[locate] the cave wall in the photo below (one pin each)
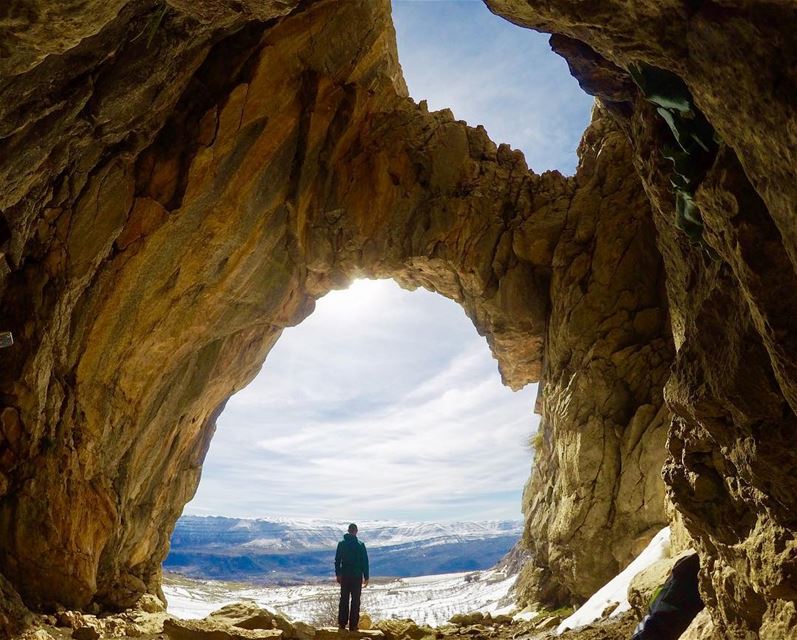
(183, 181)
(596, 481)
(731, 390)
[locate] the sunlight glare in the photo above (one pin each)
(358, 299)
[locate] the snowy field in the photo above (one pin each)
(428, 600)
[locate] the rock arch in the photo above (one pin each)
(161, 240)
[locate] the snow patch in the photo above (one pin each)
(616, 590)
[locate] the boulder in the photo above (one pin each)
(86, 633)
(365, 622)
(465, 619)
(303, 631)
(248, 615)
(701, 628)
(214, 630)
(149, 603)
(69, 619)
(403, 629)
(546, 622)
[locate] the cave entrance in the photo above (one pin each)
(384, 407)
(383, 404)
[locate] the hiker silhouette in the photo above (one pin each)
(351, 573)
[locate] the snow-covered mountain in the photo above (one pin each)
(280, 550)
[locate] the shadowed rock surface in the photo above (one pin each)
(181, 181)
(732, 386)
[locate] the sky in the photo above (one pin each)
(457, 54)
(385, 403)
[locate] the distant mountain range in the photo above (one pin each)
(278, 551)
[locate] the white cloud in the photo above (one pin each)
(395, 411)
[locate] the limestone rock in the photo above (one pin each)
(69, 619)
(465, 619)
(149, 603)
(732, 386)
(303, 631)
(546, 622)
(596, 476)
(701, 628)
(248, 615)
(213, 630)
(86, 633)
(402, 629)
(365, 622)
(14, 615)
(127, 345)
(645, 585)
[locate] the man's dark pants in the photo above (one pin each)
(350, 586)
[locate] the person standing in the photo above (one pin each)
(351, 573)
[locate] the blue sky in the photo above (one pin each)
(385, 403)
(457, 54)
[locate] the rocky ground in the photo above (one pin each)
(246, 621)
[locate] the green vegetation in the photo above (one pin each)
(536, 441)
(692, 146)
(655, 595)
(561, 612)
(154, 22)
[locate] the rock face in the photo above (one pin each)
(732, 387)
(182, 180)
(596, 481)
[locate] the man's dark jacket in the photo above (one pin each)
(351, 558)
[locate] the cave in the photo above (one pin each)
(183, 180)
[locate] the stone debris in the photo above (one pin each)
(406, 629)
(333, 633)
(248, 621)
(214, 630)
